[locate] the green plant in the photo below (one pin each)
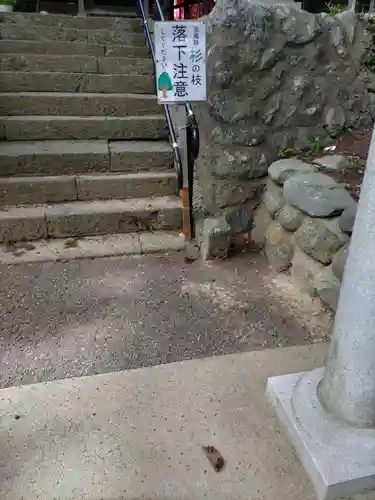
(7, 2)
(333, 8)
(369, 21)
(316, 145)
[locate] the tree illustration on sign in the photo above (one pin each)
(165, 84)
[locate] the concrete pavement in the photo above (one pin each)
(61, 320)
(138, 434)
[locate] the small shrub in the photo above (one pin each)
(369, 20)
(333, 8)
(316, 145)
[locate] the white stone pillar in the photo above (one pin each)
(316, 407)
(348, 387)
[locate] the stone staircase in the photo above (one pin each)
(84, 147)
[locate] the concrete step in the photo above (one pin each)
(77, 104)
(72, 48)
(25, 158)
(10, 31)
(75, 22)
(103, 425)
(76, 63)
(41, 128)
(138, 156)
(91, 247)
(25, 81)
(58, 189)
(81, 218)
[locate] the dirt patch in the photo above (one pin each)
(355, 143)
(309, 312)
(352, 143)
(94, 316)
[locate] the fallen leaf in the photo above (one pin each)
(214, 456)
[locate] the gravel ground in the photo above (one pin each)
(77, 318)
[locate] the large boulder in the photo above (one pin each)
(277, 78)
(304, 270)
(320, 238)
(278, 247)
(317, 195)
(281, 170)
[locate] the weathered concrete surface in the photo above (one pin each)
(92, 316)
(64, 48)
(43, 81)
(56, 189)
(89, 218)
(23, 224)
(58, 48)
(112, 216)
(338, 457)
(53, 33)
(34, 190)
(90, 247)
(123, 186)
(124, 65)
(137, 156)
(78, 104)
(53, 157)
(46, 62)
(139, 434)
(26, 158)
(41, 128)
(68, 21)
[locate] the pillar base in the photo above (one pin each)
(338, 458)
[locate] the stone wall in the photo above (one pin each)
(278, 79)
(304, 223)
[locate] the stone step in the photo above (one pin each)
(81, 218)
(77, 104)
(62, 188)
(138, 156)
(75, 22)
(76, 63)
(71, 48)
(25, 81)
(91, 247)
(41, 128)
(47, 33)
(82, 157)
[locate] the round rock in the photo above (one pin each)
(278, 247)
(347, 218)
(317, 195)
(334, 162)
(320, 238)
(282, 170)
(289, 217)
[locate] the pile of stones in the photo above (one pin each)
(304, 223)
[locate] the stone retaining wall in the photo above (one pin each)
(304, 224)
(278, 79)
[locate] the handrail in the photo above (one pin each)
(192, 122)
(194, 141)
(172, 134)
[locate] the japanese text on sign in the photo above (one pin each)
(180, 49)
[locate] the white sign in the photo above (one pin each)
(180, 49)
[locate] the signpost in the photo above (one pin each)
(180, 50)
(180, 55)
